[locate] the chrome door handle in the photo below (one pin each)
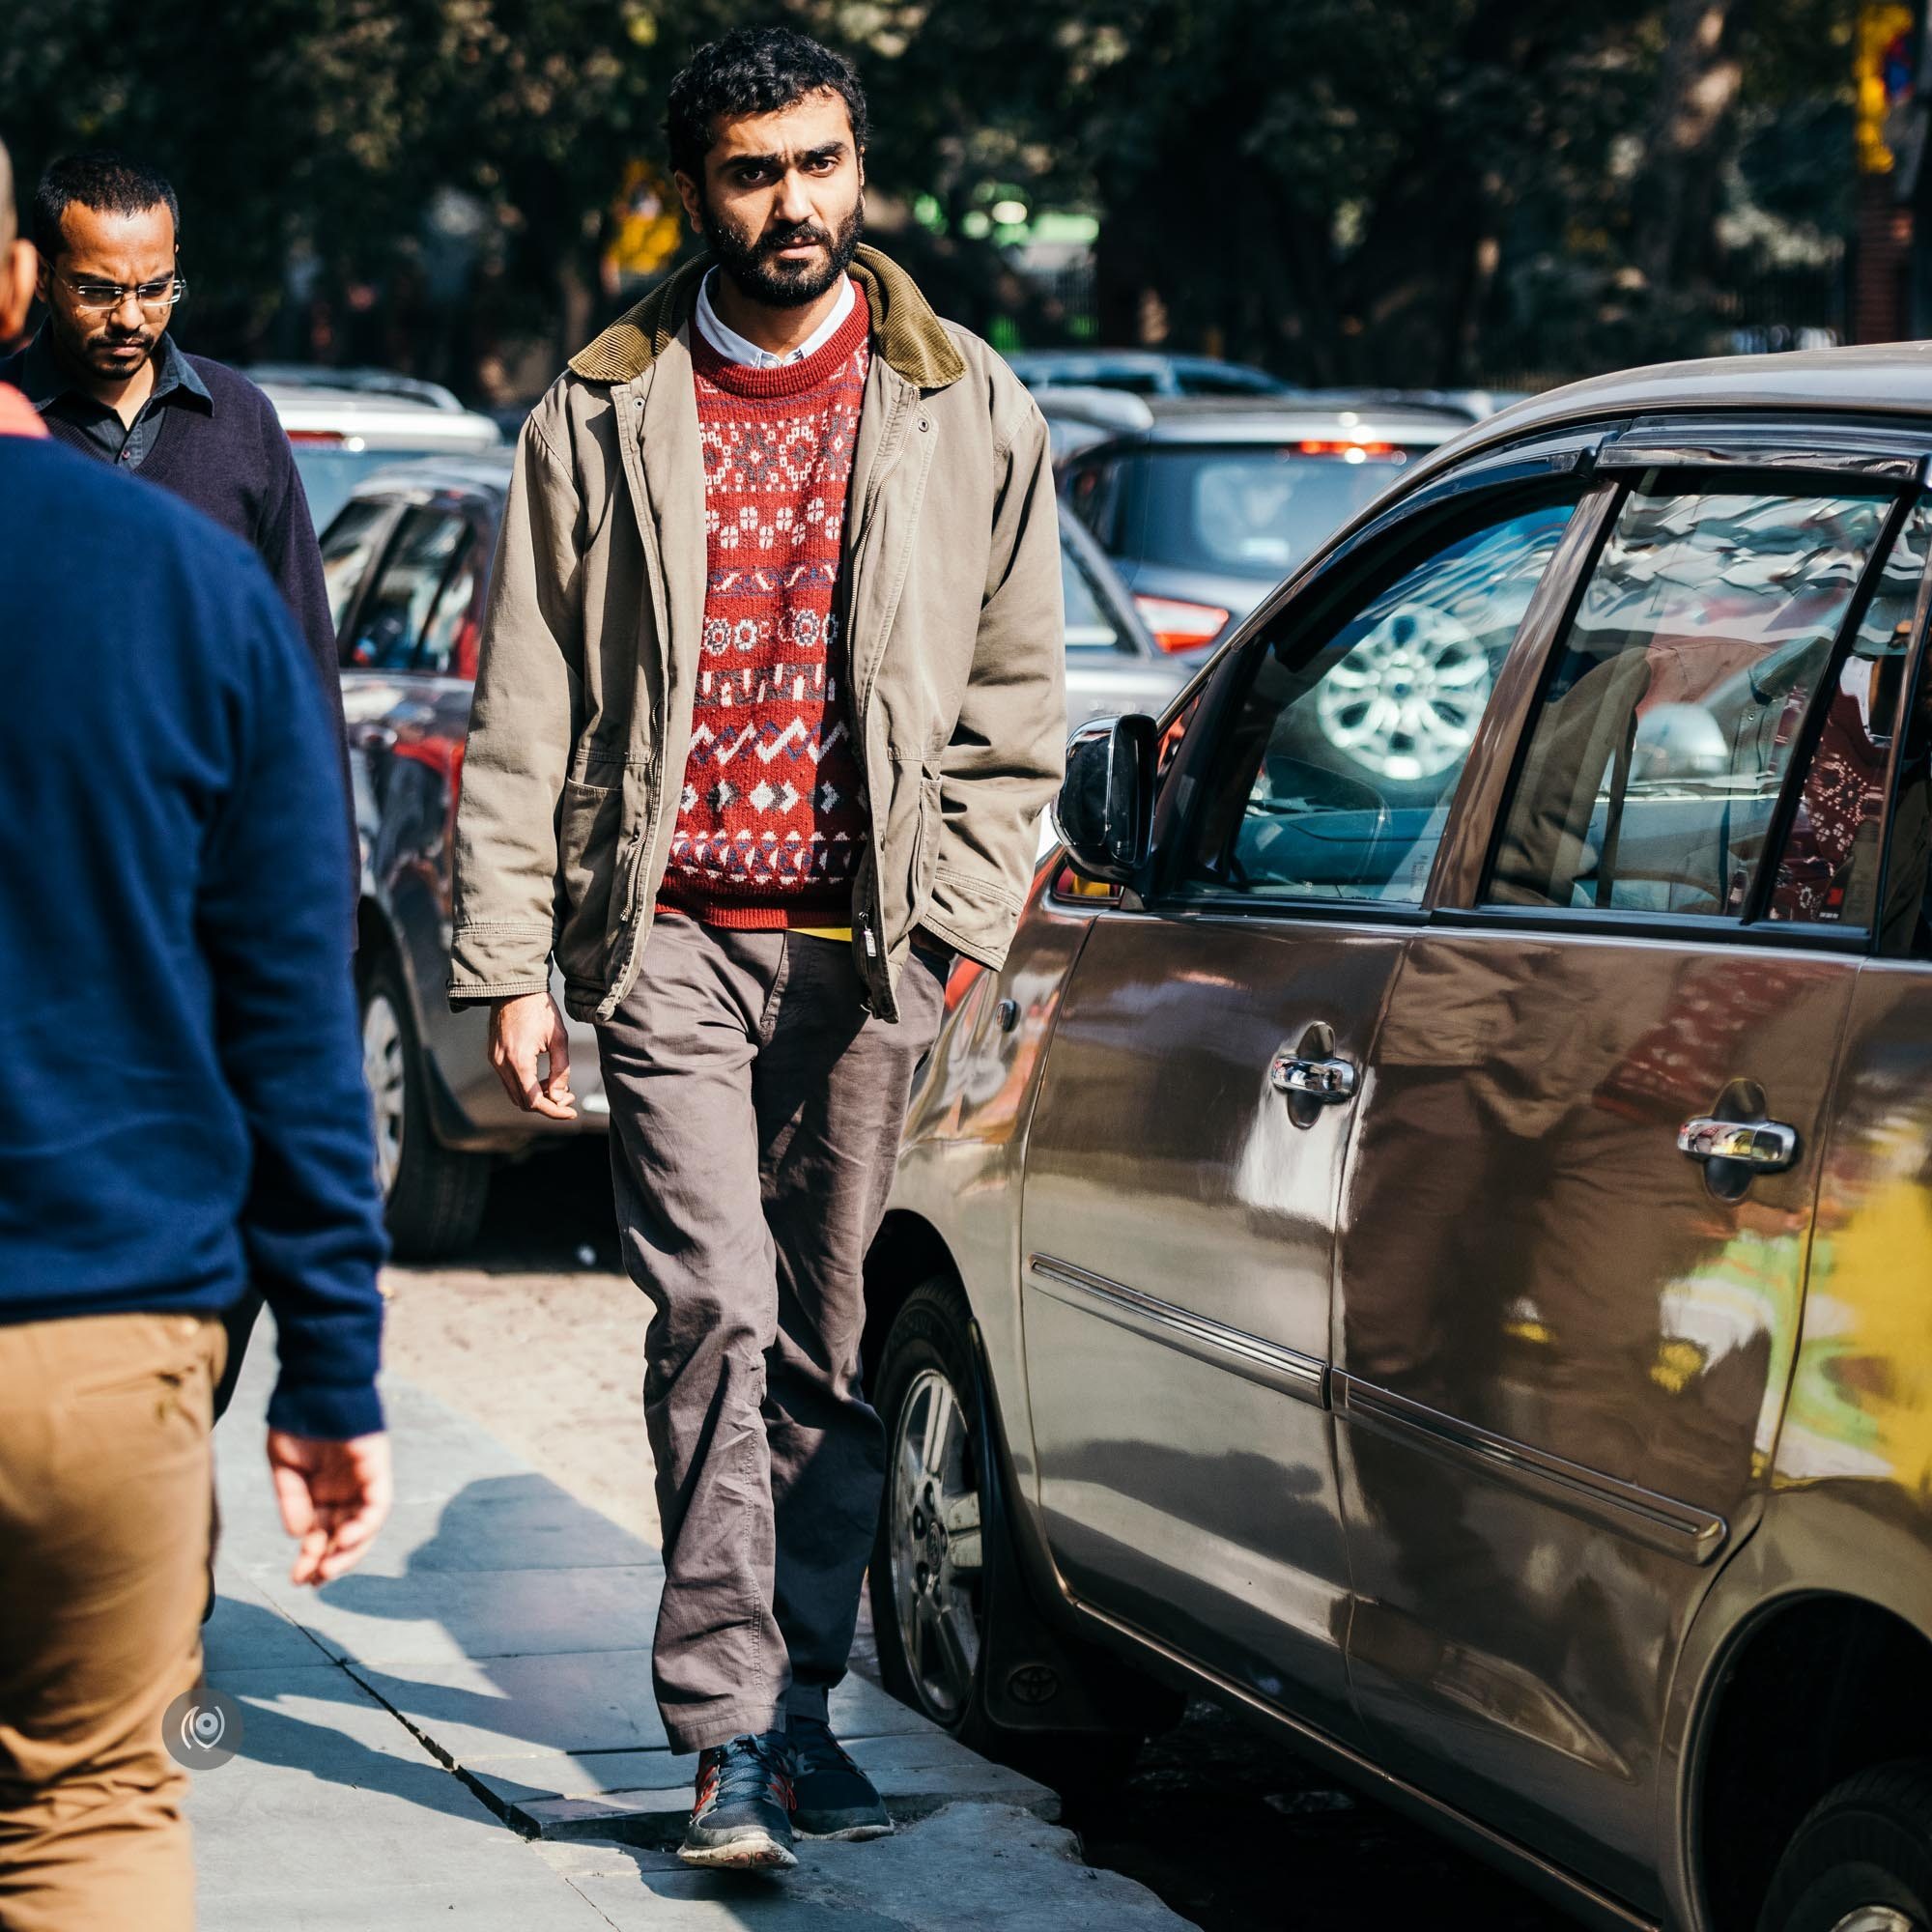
(1323, 1079)
(1767, 1147)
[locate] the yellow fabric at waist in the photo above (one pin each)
(842, 933)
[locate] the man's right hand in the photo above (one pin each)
(520, 1030)
(334, 1496)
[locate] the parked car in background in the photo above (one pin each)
(407, 561)
(1473, 405)
(1078, 417)
(1142, 372)
(1441, 1264)
(346, 422)
(1210, 505)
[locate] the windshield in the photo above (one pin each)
(1252, 512)
(329, 473)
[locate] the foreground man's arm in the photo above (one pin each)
(271, 915)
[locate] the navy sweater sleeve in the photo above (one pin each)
(285, 541)
(271, 914)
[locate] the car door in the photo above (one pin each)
(1186, 1154)
(1579, 1210)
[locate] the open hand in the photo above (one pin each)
(333, 1496)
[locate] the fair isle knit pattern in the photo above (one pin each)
(770, 823)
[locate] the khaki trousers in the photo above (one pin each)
(105, 1476)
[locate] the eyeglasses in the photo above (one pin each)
(103, 297)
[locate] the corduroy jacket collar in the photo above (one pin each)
(908, 335)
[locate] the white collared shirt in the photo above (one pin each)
(734, 348)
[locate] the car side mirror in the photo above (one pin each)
(1104, 813)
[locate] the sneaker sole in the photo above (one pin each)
(750, 1854)
(852, 1834)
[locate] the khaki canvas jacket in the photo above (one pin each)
(951, 598)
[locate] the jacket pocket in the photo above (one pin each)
(925, 855)
(587, 819)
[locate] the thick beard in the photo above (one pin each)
(774, 285)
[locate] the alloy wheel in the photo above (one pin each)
(1876, 1918)
(1405, 701)
(385, 1074)
(935, 1543)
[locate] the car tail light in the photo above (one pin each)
(1349, 449)
(316, 436)
(1178, 626)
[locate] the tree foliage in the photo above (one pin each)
(1405, 191)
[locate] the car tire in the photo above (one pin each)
(1861, 1861)
(930, 1618)
(433, 1195)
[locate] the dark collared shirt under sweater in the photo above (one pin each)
(63, 403)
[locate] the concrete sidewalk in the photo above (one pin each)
(462, 1733)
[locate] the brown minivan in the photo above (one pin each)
(1433, 1246)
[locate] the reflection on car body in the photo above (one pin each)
(1435, 1249)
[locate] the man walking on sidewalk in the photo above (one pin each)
(769, 702)
(182, 1108)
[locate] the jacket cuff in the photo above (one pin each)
(497, 962)
(327, 1411)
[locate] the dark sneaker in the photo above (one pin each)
(832, 1798)
(742, 1819)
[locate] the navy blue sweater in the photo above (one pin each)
(181, 1106)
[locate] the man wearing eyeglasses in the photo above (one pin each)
(108, 379)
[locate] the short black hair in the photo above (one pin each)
(103, 181)
(753, 70)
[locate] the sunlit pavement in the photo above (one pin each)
(484, 1678)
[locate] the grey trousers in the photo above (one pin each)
(755, 1113)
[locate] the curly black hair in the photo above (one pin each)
(753, 70)
(105, 181)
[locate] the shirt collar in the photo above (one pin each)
(734, 348)
(45, 381)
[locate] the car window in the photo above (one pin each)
(1335, 777)
(1905, 916)
(443, 635)
(347, 546)
(1093, 496)
(330, 472)
(392, 617)
(1089, 628)
(1828, 868)
(1669, 712)
(1254, 512)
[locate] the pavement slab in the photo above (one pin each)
(968, 1868)
(463, 1733)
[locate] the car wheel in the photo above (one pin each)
(1403, 707)
(1861, 1861)
(928, 1578)
(433, 1195)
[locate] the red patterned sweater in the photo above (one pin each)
(770, 824)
